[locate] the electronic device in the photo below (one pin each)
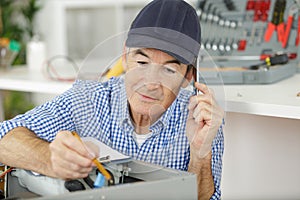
(132, 180)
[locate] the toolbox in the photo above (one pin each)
(249, 41)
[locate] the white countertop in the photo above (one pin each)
(277, 100)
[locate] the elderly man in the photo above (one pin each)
(147, 114)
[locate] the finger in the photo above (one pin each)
(65, 169)
(74, 167)
(63, 152)
(75, 144)
(68, 165)
(71, 170)
(201, 101)
(67, 161)
(194, 100)
(193, 103)
(69, 174)
(202, 87)
(204, 109)
(197, 110)
(73, 157)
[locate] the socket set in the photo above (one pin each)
(250, 41)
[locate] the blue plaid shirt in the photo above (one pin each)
(100, 110)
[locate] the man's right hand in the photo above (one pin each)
(69, 157)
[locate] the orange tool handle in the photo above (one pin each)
(5, 172)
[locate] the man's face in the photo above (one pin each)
(153, 79)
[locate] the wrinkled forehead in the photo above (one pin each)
(152, 55)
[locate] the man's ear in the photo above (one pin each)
(188, 76)
(124, 57)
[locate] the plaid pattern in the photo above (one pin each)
(100, 110)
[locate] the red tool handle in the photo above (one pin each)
(270, 29)
(250, 4)
(287, 31)
(298, 32)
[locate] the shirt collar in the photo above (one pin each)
(125, 117)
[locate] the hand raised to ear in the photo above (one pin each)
(204, 119)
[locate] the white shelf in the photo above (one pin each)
(277, 100)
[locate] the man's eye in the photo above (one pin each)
(169, 70)
(142, 62)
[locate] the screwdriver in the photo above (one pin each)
(262, 57)
(278, 59)
(96, 162)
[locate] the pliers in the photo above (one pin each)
(277, 21)
(292, 11)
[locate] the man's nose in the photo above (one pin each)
(152, 85)
(153, 77)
